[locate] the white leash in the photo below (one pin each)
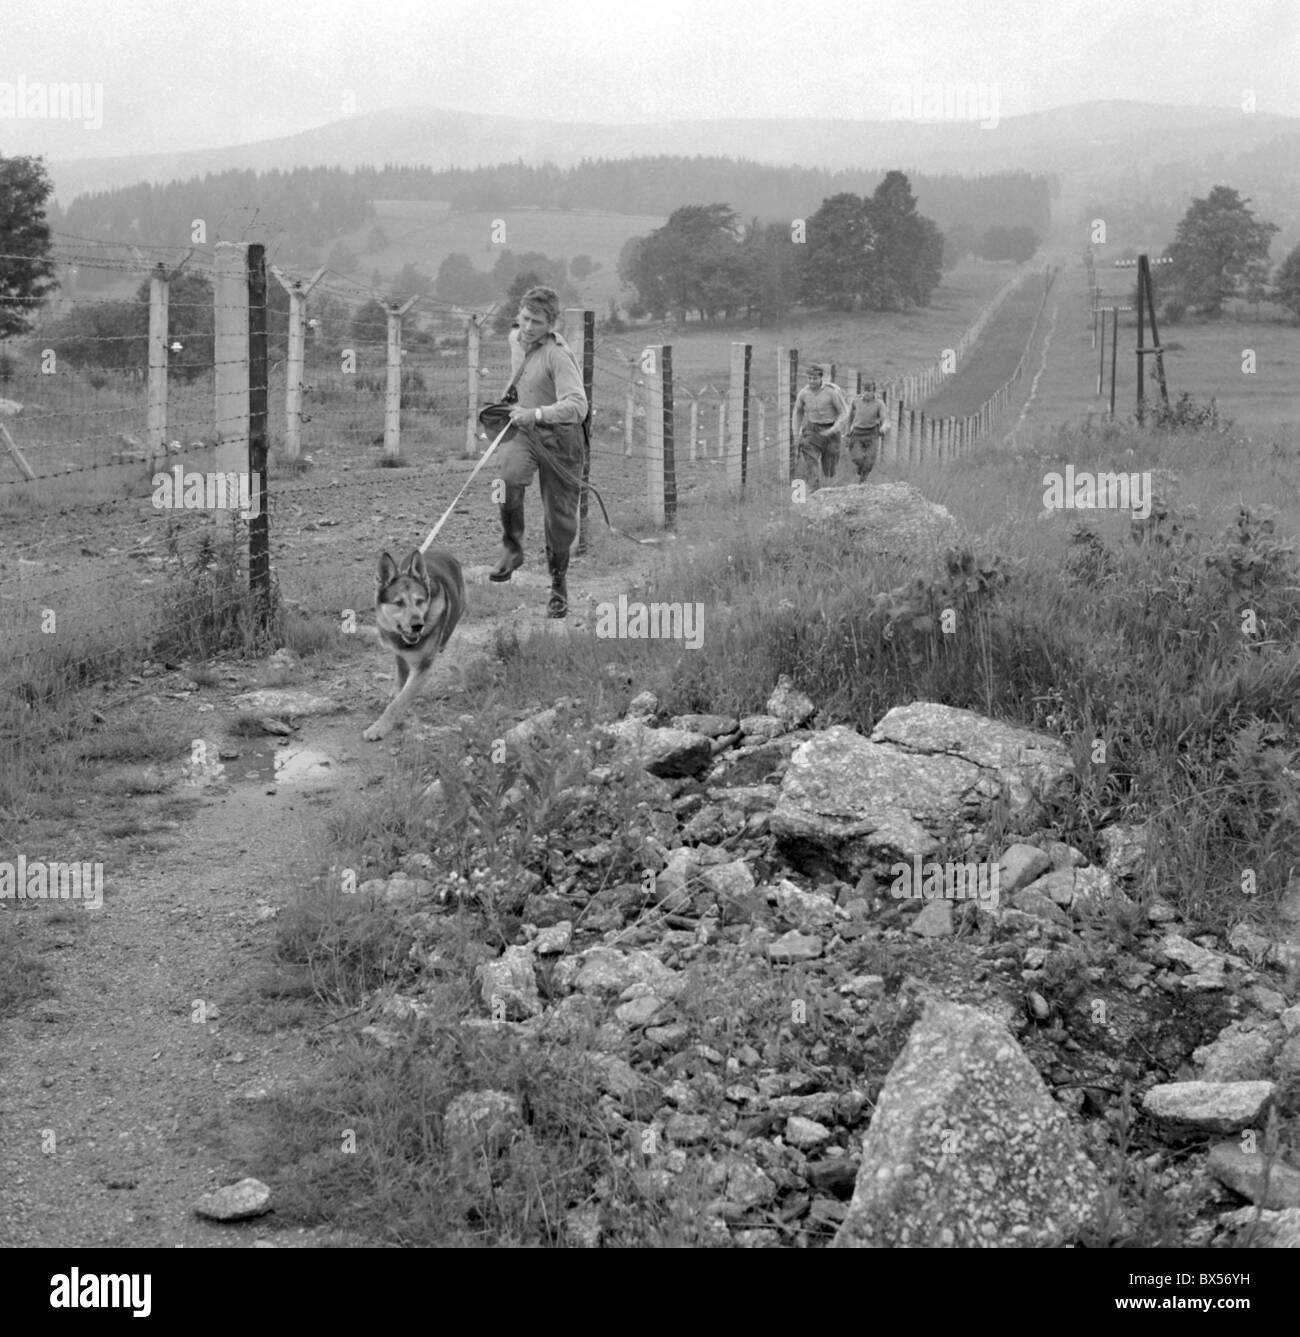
(433, 533)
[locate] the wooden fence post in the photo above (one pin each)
(230, 355)
(295, 357)
(787, 377)
(473, 335)
(722, 427)
(661, 472)
(259, 534)
(695, 424)
(669, 434)
(629, 420)
(762, 426)
(579, 334)
(1114, 344)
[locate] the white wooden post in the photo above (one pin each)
(575, 335)
(294, 358)
(230, 355)
(785, 371)
(695, 424)
(654, 435)
(393, 390)
(629, 419)
(157, 422)
(472, 328)
(722, 427)
(738, 398)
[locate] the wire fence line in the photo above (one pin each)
(121, 411)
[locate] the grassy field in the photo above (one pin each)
(1203, 359)
(881, 344)
(425, 232)
(992, 362)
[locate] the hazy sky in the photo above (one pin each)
(179, 75)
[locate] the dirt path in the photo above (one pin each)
(116, 1102)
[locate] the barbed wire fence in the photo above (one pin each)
(129, 423)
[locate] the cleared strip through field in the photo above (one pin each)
(994, 358)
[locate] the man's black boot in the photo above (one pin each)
(512, 534)
(558, 604)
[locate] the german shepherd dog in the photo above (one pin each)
(416, 610)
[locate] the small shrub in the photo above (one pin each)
(1188, 413)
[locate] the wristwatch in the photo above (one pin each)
(537, 415)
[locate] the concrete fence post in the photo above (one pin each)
(158, 354)
(230, 356)
(295, 357)
(393, 388)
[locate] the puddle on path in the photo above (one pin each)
(273, 762)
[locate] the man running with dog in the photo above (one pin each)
(820, 411)
(868, 421)
(547, 437)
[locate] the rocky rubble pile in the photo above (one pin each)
(1015, 1010)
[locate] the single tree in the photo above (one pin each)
(409, 281)
(686, 265)
(458, 281)
(839, 255)
(26, 266)
(1219, 249)
(370, 324)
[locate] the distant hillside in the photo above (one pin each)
(311, 206)
(1105, 137)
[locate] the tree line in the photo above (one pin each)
(657, 185)
(874, 252)
(309, 207)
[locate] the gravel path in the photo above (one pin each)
(116, 1103)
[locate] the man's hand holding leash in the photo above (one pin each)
(522, 417)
